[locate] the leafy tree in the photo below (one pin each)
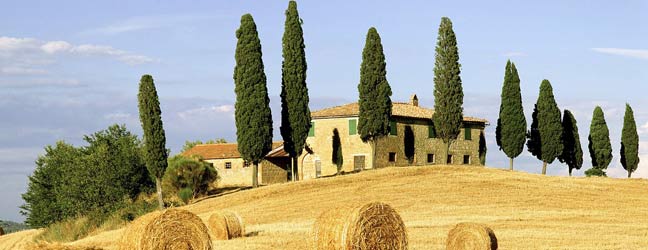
(295, 114)
(629, 142)
(374, 90)
(190, 144)
(595, 172)
(155, 153)
(189, 172)
(599, 141)
(336, 156)
(549, 127)
(93, 180)
(511, 124)
(43, 204)
(572, 153)
(252, 108)
(448, 92)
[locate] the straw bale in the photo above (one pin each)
(171, 229)
(472, 236)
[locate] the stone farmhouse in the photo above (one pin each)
(411, 141)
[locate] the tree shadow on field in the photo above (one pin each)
(252, 234)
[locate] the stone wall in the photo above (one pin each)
(322, 146)
(274, 170)
(238, 175)
(424, 145)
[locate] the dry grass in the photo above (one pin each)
(471, 236)
(374, 225)
(526, 211)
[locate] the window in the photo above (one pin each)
(449, 159)
(467, 135)
(246, 164)
(228, 165)
(430, 158)
(392, 157)
(466, 159)
(311, 132)
(353, 125)
(393, 128)
(431, 131)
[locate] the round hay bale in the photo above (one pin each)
(235, 227)
(169, 229)
(375, 225)
(225, 225)
(472, 236)
(217, 225)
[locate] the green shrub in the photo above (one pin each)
(185, 195)
(189, 172)
(595, 172)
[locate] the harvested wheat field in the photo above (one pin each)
(526, 211)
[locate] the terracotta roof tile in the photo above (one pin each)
(220, 150)
(398, 109)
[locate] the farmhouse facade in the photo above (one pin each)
(234, 171)
(412, 141)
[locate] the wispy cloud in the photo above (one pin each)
(206, 111)
(25, 50)
(18, 70)
(635, 53)
(148, 22)
(42, 82)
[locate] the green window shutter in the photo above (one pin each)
(467, 135)
(311, 132)
(393, 129)
(353, 126)
(431, 131)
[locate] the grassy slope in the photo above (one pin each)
(526, 211)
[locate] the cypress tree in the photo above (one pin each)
(599, 142)
(511, 125)
(482, 149)
(629, 142)
(295, 114)
(448, 92)
(572, 153)
(155, 153)
(375, 102)
(549, 127)
(533, 135)
(252, 109)
(336, 154)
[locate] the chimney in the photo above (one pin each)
(413, 100)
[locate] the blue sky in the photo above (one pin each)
(70, 68)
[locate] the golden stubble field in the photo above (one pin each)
(526, 211)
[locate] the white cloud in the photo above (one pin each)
(118, 116)
(148, 22)
(56, 46)
(42, 82)
(206, 111)
(643, 129)
(17, 70)
(636, 53)
(29, 51)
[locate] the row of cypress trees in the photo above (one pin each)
(551, 137)
(252, 109)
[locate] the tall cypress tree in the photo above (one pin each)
(448, 92)
(511, 125)
(336, 153)
(295, 114)
(374, 90)
(549, 126)
(629, 142)
(252, 108)
(533, 135)
(155, 153)
(599, 142)
(572, 153)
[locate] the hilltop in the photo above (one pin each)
(526, 211)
